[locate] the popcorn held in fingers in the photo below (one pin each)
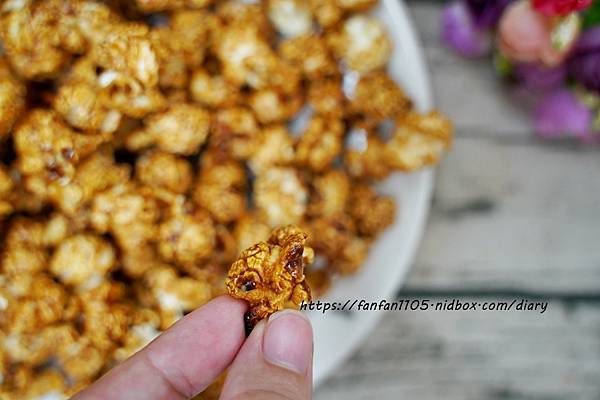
(270, 275)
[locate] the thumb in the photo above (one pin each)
(275, 362)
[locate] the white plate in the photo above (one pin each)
(337, 335)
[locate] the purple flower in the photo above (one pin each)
(562, 114)
(584, 64)
(460, 34)
(539, 78)
(486, 13)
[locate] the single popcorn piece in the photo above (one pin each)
(270, 275)
(163, 170)
(234, 131)
(419, 140)
(187, 235)
(330, 194)
(12, 99)
(275, 147)
(127, 48)
(327, 12)
(378, 97)
(272, 107)
(320, 144)
(182, 129)
(280, 196)
(310, 54)
(175, 295)
(213, 90)
(80, 107)
(121, 92)
(371, 212)
(128, 213)
(82, 260)
(48, 148)
(290, 17)
(327, 98)
(362, 44)
(364, 155)
(221, 190)
(249, 229)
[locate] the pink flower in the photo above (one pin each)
(527, 36)
(560, 7)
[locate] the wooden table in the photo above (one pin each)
(512, 217)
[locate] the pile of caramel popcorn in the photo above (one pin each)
(144, 144)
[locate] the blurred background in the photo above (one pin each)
(512, 217)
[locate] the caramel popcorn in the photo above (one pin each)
(280, 196)
(418, 141)
(234, 131)
(164, 171)
(12, 98)
(145, 144)
(82, 260)
(187, 236)
(378, 97)
(362, 44)
(270, 275)
(221, 189)
(290, 17)
(330, 194)
(174, 295)
(371, 213)
(6, 187)
(213, 90)
(182, 129)
(275, 147)
(320, 144)
(309, 53)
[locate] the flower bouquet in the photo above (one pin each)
(549, 47)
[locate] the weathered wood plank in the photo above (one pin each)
(513, 216)
(465, 355)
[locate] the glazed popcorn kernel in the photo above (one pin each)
(372, 213)
(213, 90)
(378, 97)
(187, 236)
(12, 99)
(165, 171)
(311, 54)
(270, 275)
(280, 196)
(181, 129)
(290, 17)
(419, 140)
(330, 194)
(320, 143)
(275, 147)
(81, 260)
(221, 189)
(79, 106)
(362, 44)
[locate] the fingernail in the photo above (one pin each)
(288, 341)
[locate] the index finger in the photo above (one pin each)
(182, 361)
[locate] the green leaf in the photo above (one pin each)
(591, 16)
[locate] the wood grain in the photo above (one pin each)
(465, 355)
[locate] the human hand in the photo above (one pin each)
(274, 362)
